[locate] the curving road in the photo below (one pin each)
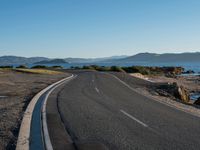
(97, 111)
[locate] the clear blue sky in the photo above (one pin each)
(96, 28)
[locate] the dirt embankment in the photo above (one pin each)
(16, 90)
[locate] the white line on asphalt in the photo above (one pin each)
(97, 89)
(153, 98)
(24, 132)
(47, 140)
(130, 116)
(3, 96)
(93, 80)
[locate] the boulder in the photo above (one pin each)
(197, 102)
(182, 94)
(176, 91)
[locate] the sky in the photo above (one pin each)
(98, 28)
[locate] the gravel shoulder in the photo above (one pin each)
(16, 91)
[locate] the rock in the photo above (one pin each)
(189, 72)
(173, 70)
(173, 89)
(182, 94)
(197, 102)
(162, 93)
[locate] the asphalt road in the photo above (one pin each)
(97, 110)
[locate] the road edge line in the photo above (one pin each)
(24, 132)
(151, 97)
(46, 137)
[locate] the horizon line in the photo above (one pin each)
(96, 57)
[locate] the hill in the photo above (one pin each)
(53, 61)
(16, 60)
(93, 60)
(159, 58)
(141, 57)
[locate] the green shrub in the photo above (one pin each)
(6, 67)
(39, 67)
(88, 67)
(75, 67)
(116, 69)
(22, 66)
(57, 67)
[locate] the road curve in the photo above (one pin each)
(95, 110)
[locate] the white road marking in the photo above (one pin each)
(46, 136)
(97, 89)
(93, 80)
(3, 96)
(153, 98)
(130, 116)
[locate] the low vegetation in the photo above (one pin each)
(137, 69)
(144, 70)
(6, 67)
(56, 67)
(22, 66)
(39, 67)
(46, 67)
(38, 71)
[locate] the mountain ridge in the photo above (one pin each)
(140, 57)
(165, 57)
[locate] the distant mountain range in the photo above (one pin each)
(162, 58)
(91, 60)
(17, 60)
(11, 60)
(141, 57)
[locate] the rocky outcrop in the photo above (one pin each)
(197, 102)
(174, 90)
(182, 94)
(189, 72)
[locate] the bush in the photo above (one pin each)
(116, 69)
(101, 68)
(88, 67)
(57, 67)
(6, 67)
(39, 67)
(75, 67)
(22, 67)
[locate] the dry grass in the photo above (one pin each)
(19, 88)
(39, 71)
